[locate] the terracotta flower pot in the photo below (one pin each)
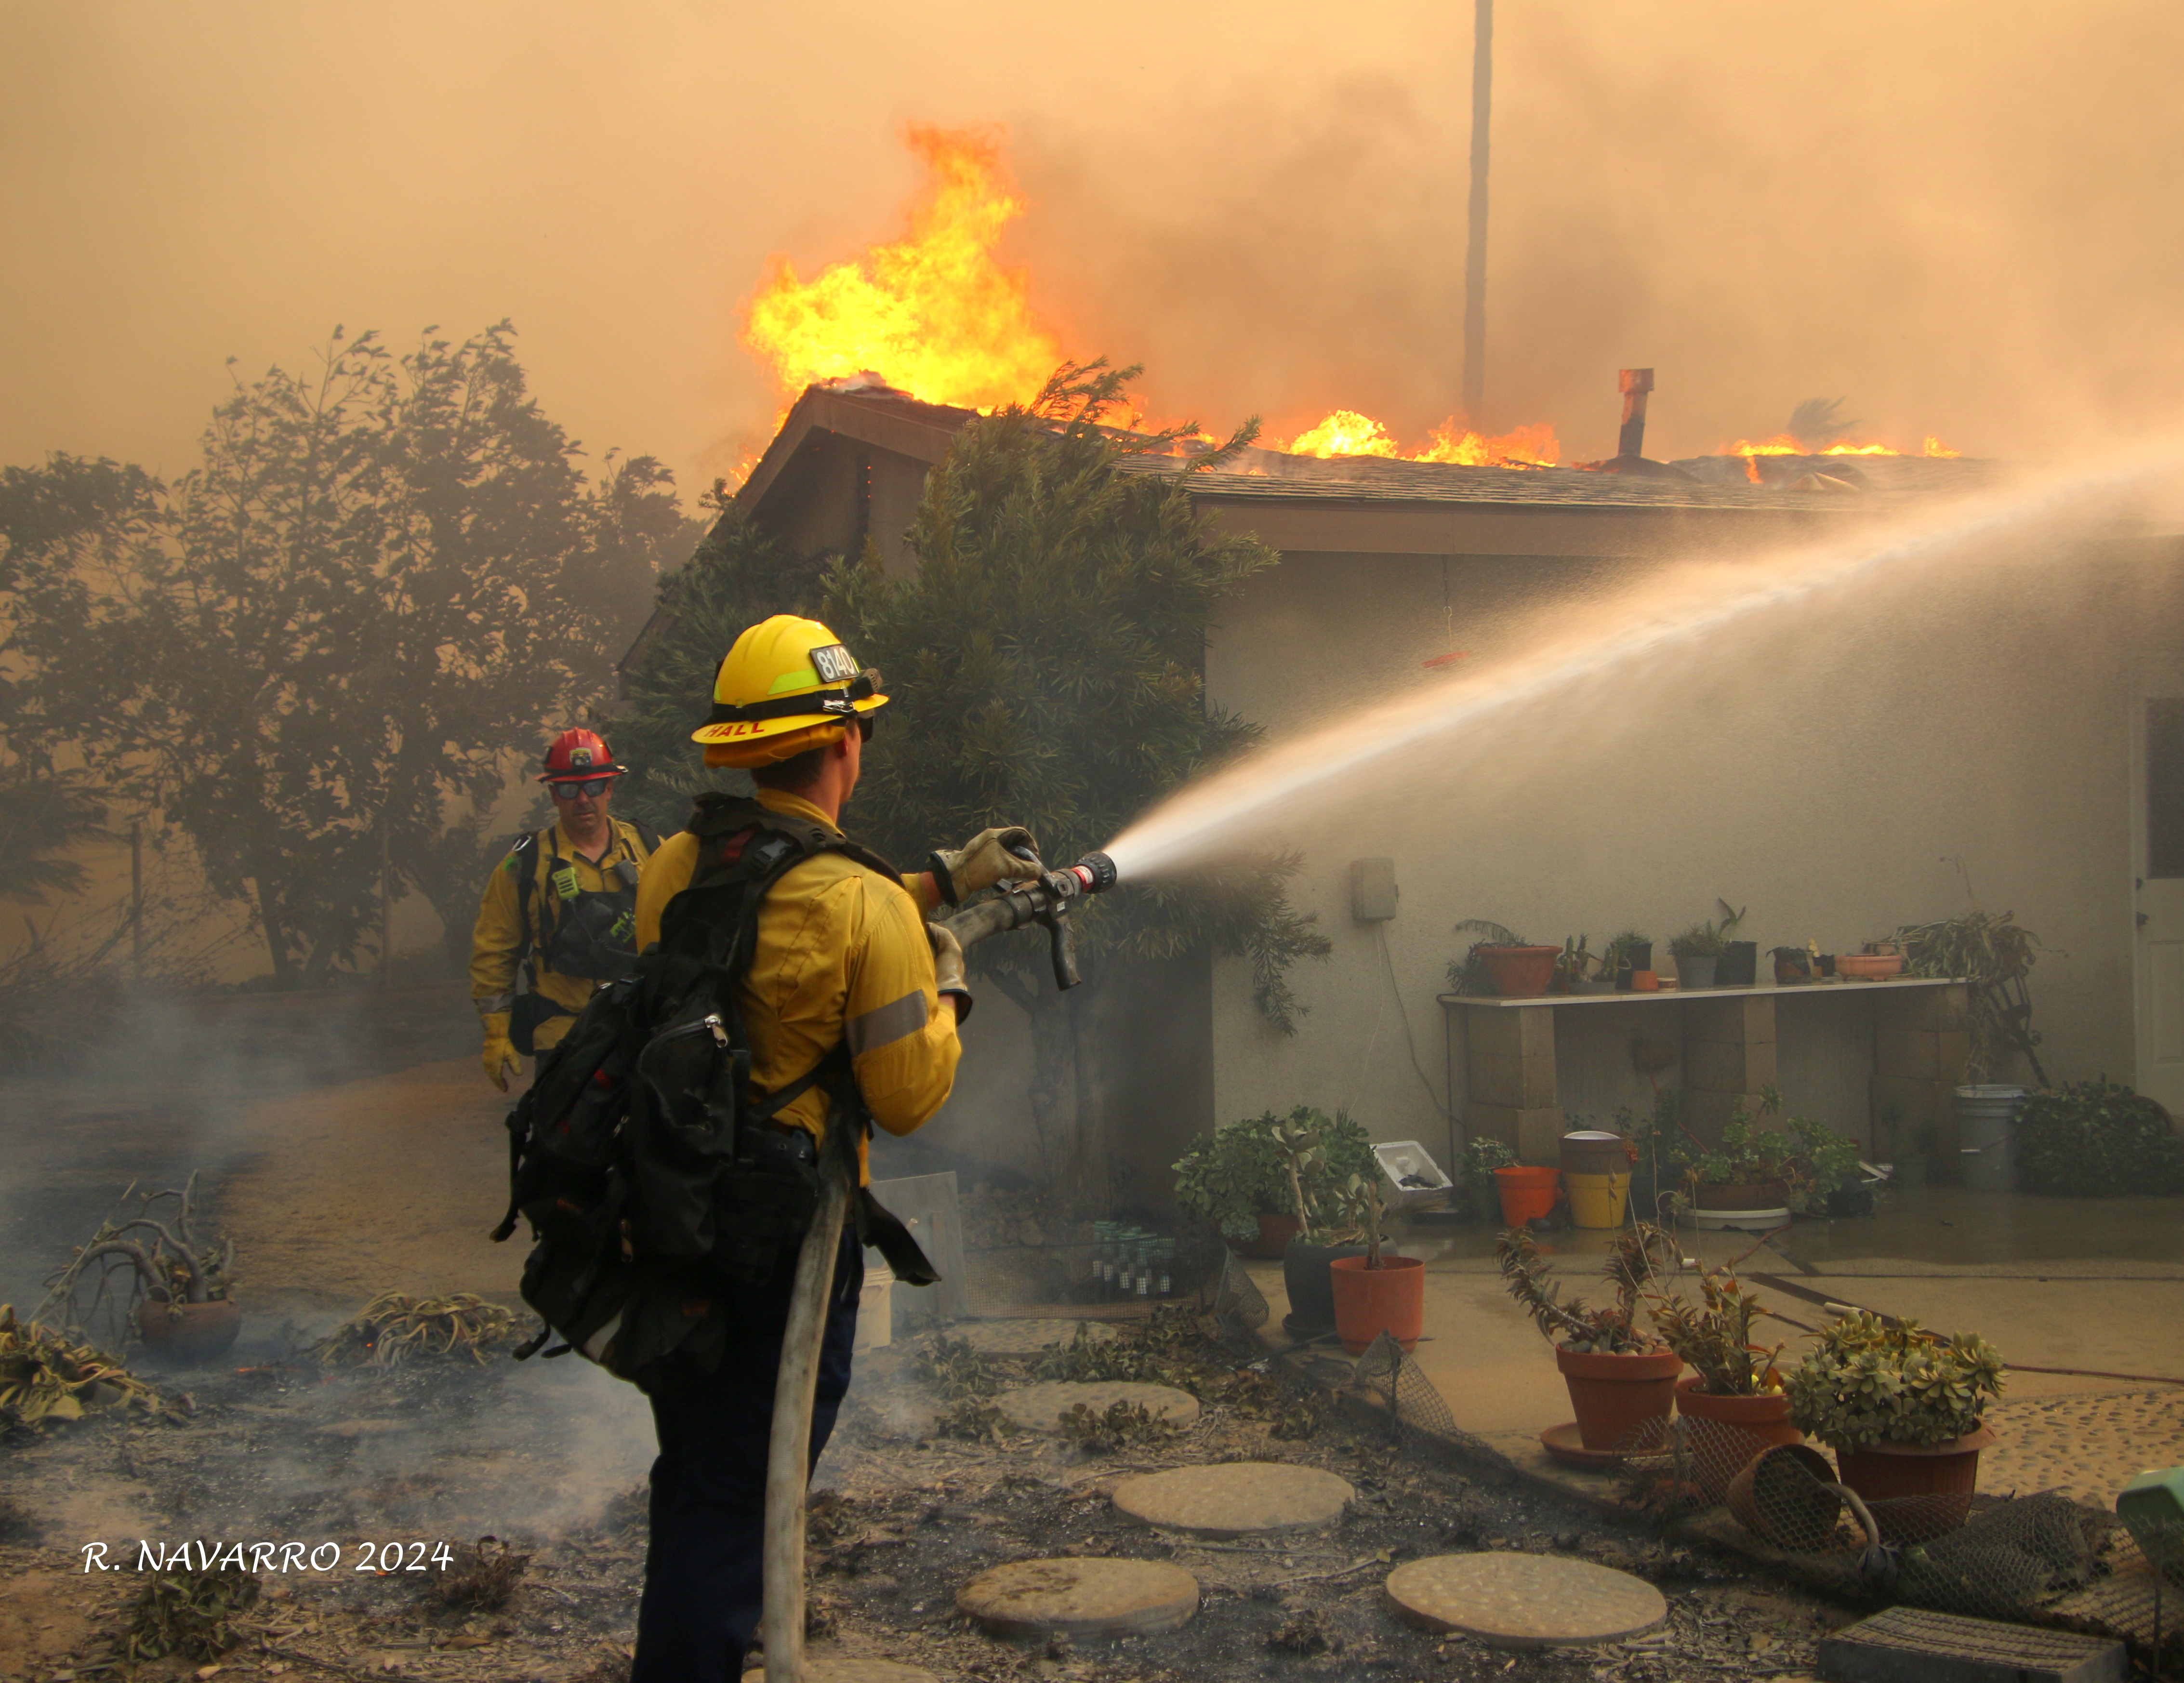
(1275, 1232)
(1757, 1195)
(190, 1332)
(1370, 1301)
(1529, 1191)
(1519, 972)
(1616, 1396)
(1726, 1432)
(1941, 1476)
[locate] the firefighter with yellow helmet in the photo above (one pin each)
(843, 966)
(559, 914)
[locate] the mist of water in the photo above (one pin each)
(1606, 651)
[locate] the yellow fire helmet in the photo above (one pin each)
(788, 685)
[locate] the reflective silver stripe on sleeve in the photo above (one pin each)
(886, 1023)
(494, 1002)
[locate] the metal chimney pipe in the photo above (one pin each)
(1633, 383)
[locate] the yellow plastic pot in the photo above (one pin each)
(1597, 1200)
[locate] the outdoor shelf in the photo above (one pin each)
(1898, 1045)
(1775, 989)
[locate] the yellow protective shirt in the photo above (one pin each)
(498, 942)
(841, 954)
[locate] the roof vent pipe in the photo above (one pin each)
(1633, 383)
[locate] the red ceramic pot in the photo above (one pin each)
(1275, 1233)
(1726, 1432)
(1757, 1195)
(1616, 1396)
(1370, 1301)
(1519, 972)
(1925, 1490)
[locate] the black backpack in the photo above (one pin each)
(642, 1156)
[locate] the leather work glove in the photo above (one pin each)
(499, 1055)
(947, 966)
(980, 863)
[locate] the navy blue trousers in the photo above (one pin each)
(704, 1585)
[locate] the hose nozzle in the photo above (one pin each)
(1096, 872)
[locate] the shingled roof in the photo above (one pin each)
(875, 413)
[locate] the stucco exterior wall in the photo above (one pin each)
(1826, 765)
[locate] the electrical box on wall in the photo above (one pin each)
(1373, 889)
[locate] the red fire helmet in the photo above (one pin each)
(576, 755)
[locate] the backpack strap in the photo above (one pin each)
(525, 852)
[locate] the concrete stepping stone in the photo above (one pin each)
(1025, 1338)
(1040, 1407)
(1525, 1600)
(819, 1668)
(1235, 1498)
(1087, 1597)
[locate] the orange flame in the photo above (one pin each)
(935, 312)
(1347, 432)
(1782, 444)
(938, 314)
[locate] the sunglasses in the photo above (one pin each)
(569, 790)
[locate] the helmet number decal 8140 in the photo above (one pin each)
(833, 664)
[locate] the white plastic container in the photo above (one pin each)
(1403, 1160)
(875, 1308)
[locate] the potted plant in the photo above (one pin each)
(1628, 954)
(1579, 972)
(1501, 961)
(1482, 1157)
(1904, 1411)
(1320, 1156)
(182, 1294)
(1739, 964)
(1762, 1171)
(1794, 967)
(1734, 1394)
(1994, 955)
(1376, 1292)
(1620, 1376)
(1745, 1170)
(1235, 1179)
(1697, 952)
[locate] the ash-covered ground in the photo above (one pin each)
(547, 1459)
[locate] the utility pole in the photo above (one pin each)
(1474, 260)
(137, 902)
(386, 907)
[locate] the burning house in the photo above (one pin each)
(1846, 763)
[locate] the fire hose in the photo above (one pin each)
(1043, 897)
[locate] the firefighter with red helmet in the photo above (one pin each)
(558, 915)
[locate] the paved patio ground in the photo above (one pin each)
(2095, 1286)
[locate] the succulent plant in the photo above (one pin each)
(1868, 1381)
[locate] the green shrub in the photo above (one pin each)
(1867, 1382)
(2096, 1139)
(1237, 1173)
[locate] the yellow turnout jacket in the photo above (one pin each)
(841, 954)
(497, 943)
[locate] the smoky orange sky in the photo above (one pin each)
(1964, 218)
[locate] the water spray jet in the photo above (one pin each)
(1663, 616)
